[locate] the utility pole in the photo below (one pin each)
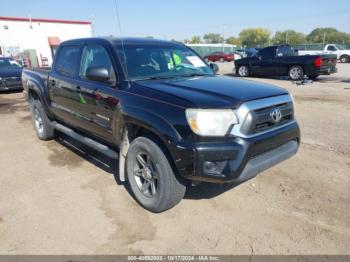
(324, 38)
(30, 21)
(223, 38)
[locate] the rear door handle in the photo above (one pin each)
(78, 88)
(52, 82)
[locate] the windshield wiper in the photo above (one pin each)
(154, 78)
(195, 74)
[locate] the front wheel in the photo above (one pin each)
(151, 178)
(296, 73)
(243, 71)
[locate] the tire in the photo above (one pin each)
(243, 71)
(344, 59)
(313, 77)
(41, 122)
(296, 73)
(151, 177)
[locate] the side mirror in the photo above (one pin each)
(215, 67)
(99, 74)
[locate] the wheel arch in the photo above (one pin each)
(34, 91)
(138, 122)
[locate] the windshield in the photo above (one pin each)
(161, 61)
(339, 47)
(9, 63)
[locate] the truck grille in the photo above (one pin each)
(260, 120)
(263, 115)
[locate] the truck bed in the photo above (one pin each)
(42, 72)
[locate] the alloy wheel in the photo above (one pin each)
(145, 174)
(243, 71)
(39, 125)
(295, 73)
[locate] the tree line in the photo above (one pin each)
(254, 37)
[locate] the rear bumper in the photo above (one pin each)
(326, 71)
(240, 159)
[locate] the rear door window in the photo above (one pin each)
(67, 60)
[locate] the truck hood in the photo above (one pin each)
(10, 72)
(214, 91)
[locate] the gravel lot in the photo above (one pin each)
(57, 198)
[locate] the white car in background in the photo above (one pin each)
(331, 49)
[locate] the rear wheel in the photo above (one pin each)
(344, 59)
(151, 178)
(41, 122)
(296, 73)
(243, 71)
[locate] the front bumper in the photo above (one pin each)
(239, 159)
(10, 85)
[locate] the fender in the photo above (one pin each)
(37, 85)
(148, 120)
(151, 121)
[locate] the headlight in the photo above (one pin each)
(211, 122)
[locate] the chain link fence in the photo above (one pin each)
(204, 50)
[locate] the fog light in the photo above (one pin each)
(214, 168)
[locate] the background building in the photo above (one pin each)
(34, 41)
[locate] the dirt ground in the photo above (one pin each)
(58, 198)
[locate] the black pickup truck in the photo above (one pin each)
(283, 61)
(163, 111)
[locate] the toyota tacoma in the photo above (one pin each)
(163, 112)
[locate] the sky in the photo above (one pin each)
(181, 19)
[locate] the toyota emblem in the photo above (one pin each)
(276, 115)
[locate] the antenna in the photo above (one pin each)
(123, 61)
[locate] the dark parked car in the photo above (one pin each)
(10, 74)
(220, 56)
(282, 61)
(165, 111)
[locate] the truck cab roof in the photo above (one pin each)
(121, 40)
